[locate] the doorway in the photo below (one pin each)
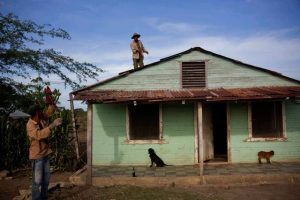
(215, 132)
(219, 123)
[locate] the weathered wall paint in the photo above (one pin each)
(178, 131)
(220, 73)
(247, 151)
(109, 134)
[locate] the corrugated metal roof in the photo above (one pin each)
(220, 94)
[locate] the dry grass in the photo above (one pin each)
(129, 193)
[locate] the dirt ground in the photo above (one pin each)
(9, 189)
(254, 192)
(22, 180)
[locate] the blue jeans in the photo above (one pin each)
(40, 178)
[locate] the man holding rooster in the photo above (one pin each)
(39, 150)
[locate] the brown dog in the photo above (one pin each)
(265, 154)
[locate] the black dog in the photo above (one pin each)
(155, 159)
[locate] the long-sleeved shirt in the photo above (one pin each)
(38, 137)
(137, 49)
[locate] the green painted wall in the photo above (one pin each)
(108, 145)
(247, 151)
(109, 133)
(220, 73)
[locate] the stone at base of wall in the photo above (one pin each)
(146, 181)
(252, 179)
(79, 178)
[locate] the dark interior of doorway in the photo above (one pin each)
(219, 123)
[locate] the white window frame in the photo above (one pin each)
(257, 139)
(130, 141)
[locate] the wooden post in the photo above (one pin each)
(127, 123)
(89, 145)
(196, 145)
(249, 120)
(74, 127)
(200, 136)
(160, 122)
(228, 122)
(283, 120)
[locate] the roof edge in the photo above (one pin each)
(216, 94)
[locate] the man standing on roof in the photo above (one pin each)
(137, 51)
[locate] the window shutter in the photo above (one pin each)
(193, 74)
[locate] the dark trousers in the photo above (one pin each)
(40, 178)
(138, 62)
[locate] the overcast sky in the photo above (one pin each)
(265, 33)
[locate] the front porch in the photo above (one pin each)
(244, 173)
(190, 170)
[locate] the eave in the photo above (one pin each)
(211, 95)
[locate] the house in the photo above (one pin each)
(192, 107)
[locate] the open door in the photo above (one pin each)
(219, 121)
(208, 136)
(214, 132)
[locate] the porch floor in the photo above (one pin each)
(193, 170)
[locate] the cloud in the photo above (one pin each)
(173, 27)
(100, 56)
(285, 32)
(169, 27)
(276, 53)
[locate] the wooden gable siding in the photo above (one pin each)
(163, 76)
(220, 73)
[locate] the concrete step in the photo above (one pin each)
(79, 178)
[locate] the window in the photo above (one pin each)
(267, 120)
(193, 75)
(144, 122)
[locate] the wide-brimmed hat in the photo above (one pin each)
(135, 35)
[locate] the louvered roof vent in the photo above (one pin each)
(193, 75)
